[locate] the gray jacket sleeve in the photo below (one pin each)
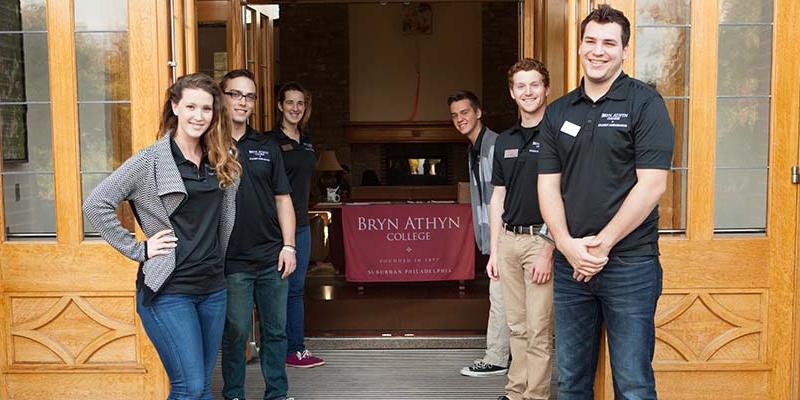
(100, 206)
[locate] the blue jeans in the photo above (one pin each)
(623, 296)
(268, 290)
(295, 312)
(186, 331)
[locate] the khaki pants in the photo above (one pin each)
(497, 332)
(529, 312)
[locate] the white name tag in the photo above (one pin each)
(510, 153)
(570, 129)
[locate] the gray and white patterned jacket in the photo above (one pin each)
(150, 180)
(481, 191)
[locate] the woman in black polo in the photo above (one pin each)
(294, 111)
(182, 190)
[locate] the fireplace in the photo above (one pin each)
(406, 160)
(416, 164)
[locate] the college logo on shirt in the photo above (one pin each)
(613, 120)
(534, 147)
(308, 146)
(259, 155)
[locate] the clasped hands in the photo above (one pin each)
(587, 256)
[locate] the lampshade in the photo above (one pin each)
(328, 162)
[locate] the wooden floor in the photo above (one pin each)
(425, 374)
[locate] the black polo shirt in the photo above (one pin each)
(516, 154)
(597, 147)
(300, 160)
(199, 263)
(256, 239)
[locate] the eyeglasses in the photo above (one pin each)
(236, 96)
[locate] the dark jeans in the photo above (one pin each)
(186, 332)
(623, 296)
(295, 312)
(268, 290)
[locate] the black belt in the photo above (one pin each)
(526, 229)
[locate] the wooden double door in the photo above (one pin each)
(727, 321)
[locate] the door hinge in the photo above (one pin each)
(795, 174)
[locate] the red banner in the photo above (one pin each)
(408, 242)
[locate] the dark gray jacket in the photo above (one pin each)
(151, 181)
(480, 197)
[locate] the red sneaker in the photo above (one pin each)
(303, 359)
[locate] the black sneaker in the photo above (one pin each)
(481, 369)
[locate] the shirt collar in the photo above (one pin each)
(177, 154)
(281, 136)
(479, 140)
(617, 91)
(249, 134)
(518, 128)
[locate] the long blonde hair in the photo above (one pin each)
(216, 141)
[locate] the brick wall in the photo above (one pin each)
(314, 50)
(499, 53)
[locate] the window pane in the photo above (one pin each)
(679, 114)
(26, 138)
(25, 75)
(745, 60)
(745, 11)
(740, 199)
(212, 56)
(103, 93)
(105, 136)
(101, 15)
(22, 15)
(662, 59)
(742, 132)
(672, 206)
(27, 169)
(102, 61)
(744, 79)
(29, 202)
(250, 33)
(662, 12)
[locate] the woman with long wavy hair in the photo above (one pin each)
(182, 191)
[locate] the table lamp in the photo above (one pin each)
(327, 165)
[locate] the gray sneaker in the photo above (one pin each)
(480, 369)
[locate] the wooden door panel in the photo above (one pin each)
(92, 266)
(725, 320)
(712, 327)
(68, 324)
(71, 386)
(72, 330)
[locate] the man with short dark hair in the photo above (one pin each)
(606, 151)
(520, 256)
(261, 252)
(466, 112)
